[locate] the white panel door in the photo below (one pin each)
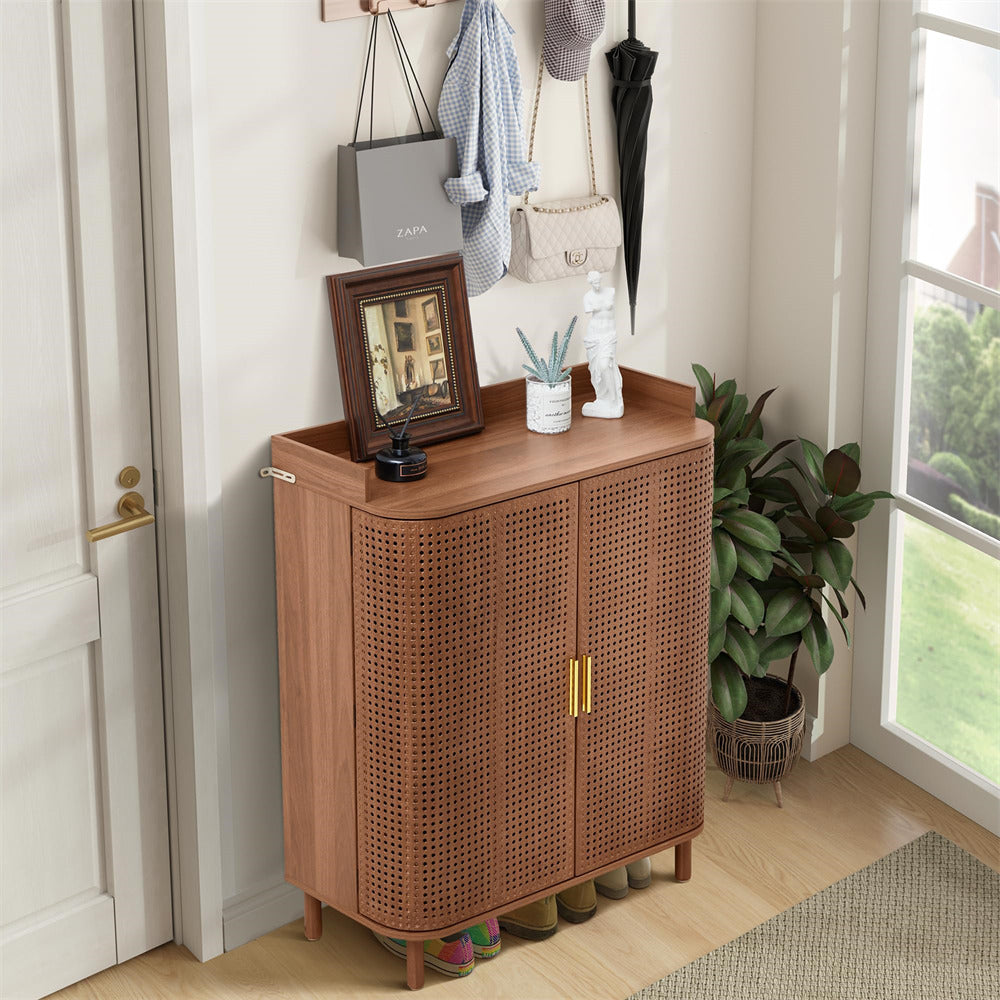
(84, 870)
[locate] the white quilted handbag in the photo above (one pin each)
(559, 239)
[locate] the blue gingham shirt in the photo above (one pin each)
(481, 108)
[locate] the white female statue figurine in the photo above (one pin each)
(601, 340)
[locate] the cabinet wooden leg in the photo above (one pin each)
(415, 964)
(314, 918)
(682, 861)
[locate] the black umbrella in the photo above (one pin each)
(632, 65)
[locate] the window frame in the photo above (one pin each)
(885, 424)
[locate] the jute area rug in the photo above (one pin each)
(923, 922)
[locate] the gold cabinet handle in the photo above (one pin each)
(132, 509)
(574, 678)
(588, 684)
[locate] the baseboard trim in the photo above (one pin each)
(247, 917)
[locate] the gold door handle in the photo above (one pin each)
(574, 694)
(132, 509)
(588, 684)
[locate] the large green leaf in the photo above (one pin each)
(772, 488)
(841, 473)
(742, 649)
(723, 558)
(727, 388)
(752, 529)
(852, 450)
(746, 605)
(809, 526)
(838, 617)
(736, 455)
(733, 478)
(786, 554)
(705, 382)
(854, 584)
(787, 612)
(750, 447)
(770, 648)
(858, 506)
(733, 418)
(774, 451)
(833, 524)
(753, 561)
(724, 499)
(814, 461)
(853, 508)
(834, 563)
(729, 692)
(778, 489)
(716, 640)
(721, 601)
(816, 638)
(755, 413)
(714, 409)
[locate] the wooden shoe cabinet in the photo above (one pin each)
(492, 680)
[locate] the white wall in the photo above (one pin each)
(281, 89)
(814, 118)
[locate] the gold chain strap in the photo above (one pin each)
(590, 137)
(590, 141)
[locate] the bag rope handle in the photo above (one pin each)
(371, 58)
(590, 139)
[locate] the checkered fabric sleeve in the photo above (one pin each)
(480, 107)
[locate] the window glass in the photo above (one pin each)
(953, 458)
(957, 170)
(981, 13)
(948, 678)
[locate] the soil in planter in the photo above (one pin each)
(766, 700)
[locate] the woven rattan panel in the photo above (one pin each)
(463, 630)
(644, 568)
(538, 542)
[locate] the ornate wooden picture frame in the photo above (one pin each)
(381, 380)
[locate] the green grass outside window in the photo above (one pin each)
(949, 656)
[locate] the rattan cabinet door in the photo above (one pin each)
(643, 619)
(463, 631)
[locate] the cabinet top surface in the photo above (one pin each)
(506, 459)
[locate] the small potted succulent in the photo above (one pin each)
(778, 557)
(549, 386)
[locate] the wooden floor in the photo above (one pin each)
(752, 861)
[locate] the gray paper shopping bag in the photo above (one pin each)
(391, 203)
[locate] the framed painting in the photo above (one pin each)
(431, 314)
(386, 364)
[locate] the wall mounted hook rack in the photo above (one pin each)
(337, 10)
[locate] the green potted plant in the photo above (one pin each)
(549, 386)
(778, 556)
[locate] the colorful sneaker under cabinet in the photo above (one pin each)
(451, 956)
(485, 938)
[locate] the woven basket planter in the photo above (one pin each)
(761, 753)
